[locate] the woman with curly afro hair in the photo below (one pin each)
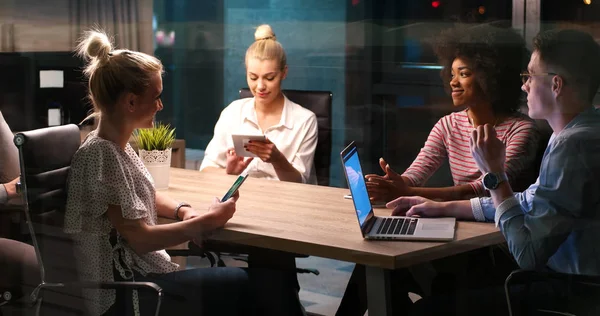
(481, 69)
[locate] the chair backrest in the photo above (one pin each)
(319, 102)
(45, 157)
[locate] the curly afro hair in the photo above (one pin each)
(497, 56)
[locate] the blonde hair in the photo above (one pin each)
(114, 72)
(266, 46)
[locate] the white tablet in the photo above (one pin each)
(240, 140)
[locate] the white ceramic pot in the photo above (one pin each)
(158, 163)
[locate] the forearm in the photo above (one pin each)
(8, 191)
(286, 172)
(459, 192)
(459, 209)
(503, 192)
(158, 237)
(407, 180)
(165, 207)
(532, 244)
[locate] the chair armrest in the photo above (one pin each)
(107, 285)
(184, 253)
(113, 285)
(529, 276)
(11, 209)
(195, 251)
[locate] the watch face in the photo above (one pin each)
(490, 181)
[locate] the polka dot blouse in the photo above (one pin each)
(102, 174)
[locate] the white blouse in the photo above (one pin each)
(101, 174)
(295, 137)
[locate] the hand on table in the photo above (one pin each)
(416, 206)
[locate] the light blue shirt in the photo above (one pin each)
(555, 223)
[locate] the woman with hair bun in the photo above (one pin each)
(111, 193)
(290, 129)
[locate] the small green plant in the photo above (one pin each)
(159, 137)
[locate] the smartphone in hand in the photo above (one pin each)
(236, 185)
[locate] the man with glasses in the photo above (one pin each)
(554, 224)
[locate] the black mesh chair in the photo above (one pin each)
(319, 102)
(582, 299)
(45, 158)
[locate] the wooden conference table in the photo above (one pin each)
(318, 221)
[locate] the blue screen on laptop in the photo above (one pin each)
(358, 187)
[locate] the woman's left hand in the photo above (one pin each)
(266, 151)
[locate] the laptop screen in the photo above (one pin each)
(356, 182)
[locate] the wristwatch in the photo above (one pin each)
(492, 180)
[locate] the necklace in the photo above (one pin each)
(473, 124)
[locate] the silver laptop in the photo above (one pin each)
(388, 227)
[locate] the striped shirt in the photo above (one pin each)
(450, 139)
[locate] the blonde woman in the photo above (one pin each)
(110, 190)
(290, 129)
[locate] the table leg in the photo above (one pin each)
(379, 291)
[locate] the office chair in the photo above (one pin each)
(18, 266)
(577, 284)
(45, 158)
(319, 102)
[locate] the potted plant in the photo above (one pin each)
(154, 147)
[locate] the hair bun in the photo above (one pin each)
(264, 32)
(96, 44)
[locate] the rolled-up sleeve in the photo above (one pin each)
(303, 161)
(485, 211)
(535, 234)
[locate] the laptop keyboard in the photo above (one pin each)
(398, 226)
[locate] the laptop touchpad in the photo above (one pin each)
(435, 226)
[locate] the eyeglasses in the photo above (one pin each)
(525, 76)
